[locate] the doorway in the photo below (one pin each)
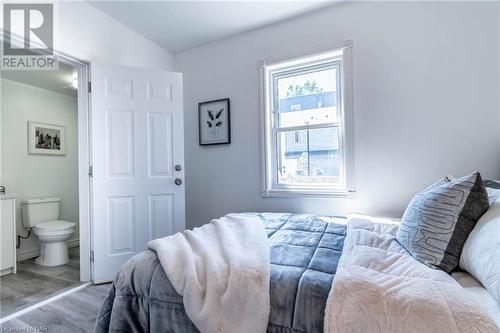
(130, 164)
(45, 160)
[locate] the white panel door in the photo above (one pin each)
(137, 155)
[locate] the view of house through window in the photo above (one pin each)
(306, 119)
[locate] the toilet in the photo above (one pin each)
(42, 217)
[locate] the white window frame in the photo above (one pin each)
(340, 56)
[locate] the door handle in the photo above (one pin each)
(178, 181)
(178, 167)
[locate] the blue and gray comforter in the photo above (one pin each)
(305, 250)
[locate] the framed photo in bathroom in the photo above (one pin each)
(46, 139)
(214, 122)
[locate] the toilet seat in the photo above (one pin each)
(55, 225)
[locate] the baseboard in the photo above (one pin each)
(73, 243)
(25, 255)
(7, 271)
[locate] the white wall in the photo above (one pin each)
(85, 32)
(425, 97)
(31, 176)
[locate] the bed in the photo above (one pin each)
(305, 256)
(479, 293)
(305, 251)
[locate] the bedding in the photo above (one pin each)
(490, 183)
(480, 294)
(493, 189)
(438, 220)
(215, 267)
(305, 250)
(481, 253)
(380, 287)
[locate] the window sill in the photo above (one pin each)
(305, 193)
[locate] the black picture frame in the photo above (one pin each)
(202, 128)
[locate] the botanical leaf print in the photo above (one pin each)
(215, 122)
(212, 122)
(210, 115)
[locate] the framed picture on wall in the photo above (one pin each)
(46, 139)
(214, 122)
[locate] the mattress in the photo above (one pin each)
(476, 290)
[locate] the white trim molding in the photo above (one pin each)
(73, 243)
(28, 254)
(33, 253)
(61, 294)
(340, 57)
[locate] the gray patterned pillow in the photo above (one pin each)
(489, 183)
(438, 220)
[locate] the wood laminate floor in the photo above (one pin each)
(75, 313)
(34, 283)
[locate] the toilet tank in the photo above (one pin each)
(39, 210)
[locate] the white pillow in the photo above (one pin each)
(481, 252)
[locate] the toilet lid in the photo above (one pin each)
(55, 225)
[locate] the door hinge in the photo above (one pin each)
(90, 87)
(91, 171)
(91, 255)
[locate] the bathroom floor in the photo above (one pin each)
(34, 283)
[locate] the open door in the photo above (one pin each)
(138, 162)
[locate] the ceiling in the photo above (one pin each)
(180, 25)
(58, 81)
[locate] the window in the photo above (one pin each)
(306, 125)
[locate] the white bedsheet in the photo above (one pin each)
(476, 290)
(379, 287)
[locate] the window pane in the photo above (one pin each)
(309, 156)
(308, 98)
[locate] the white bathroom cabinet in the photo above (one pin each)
(8, 234)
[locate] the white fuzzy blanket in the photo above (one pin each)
(379, 287)
(222, 271)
